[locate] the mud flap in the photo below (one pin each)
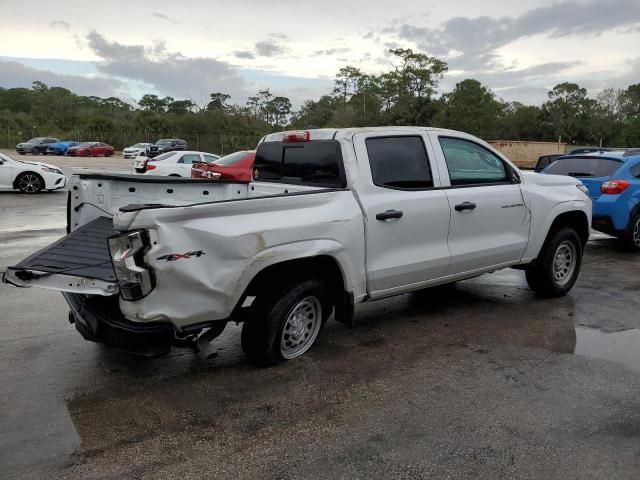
(345, 310)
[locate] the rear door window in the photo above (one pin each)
(318, 162)
(399, 162)
(189, 158)
(584, 167)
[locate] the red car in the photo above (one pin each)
(91, 149)
(236, 166)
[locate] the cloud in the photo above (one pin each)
(60, 24)
(268, 48)
(244, 54)
(15, 74)
(279, 36)
(331, 51)
(162, 16)
(170, 73)
(486, 34)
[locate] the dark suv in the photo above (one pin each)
(166, 145)
(36, 146)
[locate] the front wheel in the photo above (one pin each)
(557, 267)
(286, 322)
(29, 183)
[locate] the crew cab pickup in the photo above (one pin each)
(332, 217)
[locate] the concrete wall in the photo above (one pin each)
(525, 154)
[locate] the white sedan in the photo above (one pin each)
(135, 150)
(171, 164)
(29, 177)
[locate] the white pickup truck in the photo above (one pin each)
(332, 218)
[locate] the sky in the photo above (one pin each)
(189, 49)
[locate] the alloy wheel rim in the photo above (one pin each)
(636, 232)
(29, 183)
(564, 262)
(301, 327)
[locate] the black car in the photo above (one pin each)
(166, 145)
(544, 161)
(36, 146)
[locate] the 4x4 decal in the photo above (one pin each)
(179, 256)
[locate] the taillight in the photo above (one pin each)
(614, 187)
(149, 166)
(135, 278)
(297, 136)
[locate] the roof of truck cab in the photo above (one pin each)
(338, 133)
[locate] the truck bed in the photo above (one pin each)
(84, 252)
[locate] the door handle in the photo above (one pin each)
(389, 215)
(461, 207)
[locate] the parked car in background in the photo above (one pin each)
(29, 177)
(91, 149)
(544, 161)
(60, 148)
(134, 150)
(166, 145)
(613, 180)
(35, 146)
(172, 164)
(236, 166)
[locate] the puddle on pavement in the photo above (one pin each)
(562, 335)
(619, 347)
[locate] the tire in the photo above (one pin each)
(277, 330)
(28, 182)
(630, 239)
(108, 154)
(557, 267)
(35, 151)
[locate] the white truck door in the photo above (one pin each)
(406, 214)
(489, 219)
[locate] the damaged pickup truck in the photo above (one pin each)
(332, 218)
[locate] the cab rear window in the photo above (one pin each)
(318, 163)
(584, 167)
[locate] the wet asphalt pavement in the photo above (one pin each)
(482, 380)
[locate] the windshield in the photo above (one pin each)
(231, 158)
(139, 145)
(85, 144)
(164, 141)
(35, 140)
(584, 167)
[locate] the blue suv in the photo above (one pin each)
(613, 180)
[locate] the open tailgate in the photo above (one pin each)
(79, 262)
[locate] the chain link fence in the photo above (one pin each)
(217, 143)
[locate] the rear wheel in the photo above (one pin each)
(557, 267)
(286, 322)
(29, 182)
(630, 239)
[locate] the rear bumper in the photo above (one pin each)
(99, 319)
(604, 224)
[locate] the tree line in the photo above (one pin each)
(406, 94)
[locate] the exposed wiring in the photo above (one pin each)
(76, 208)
